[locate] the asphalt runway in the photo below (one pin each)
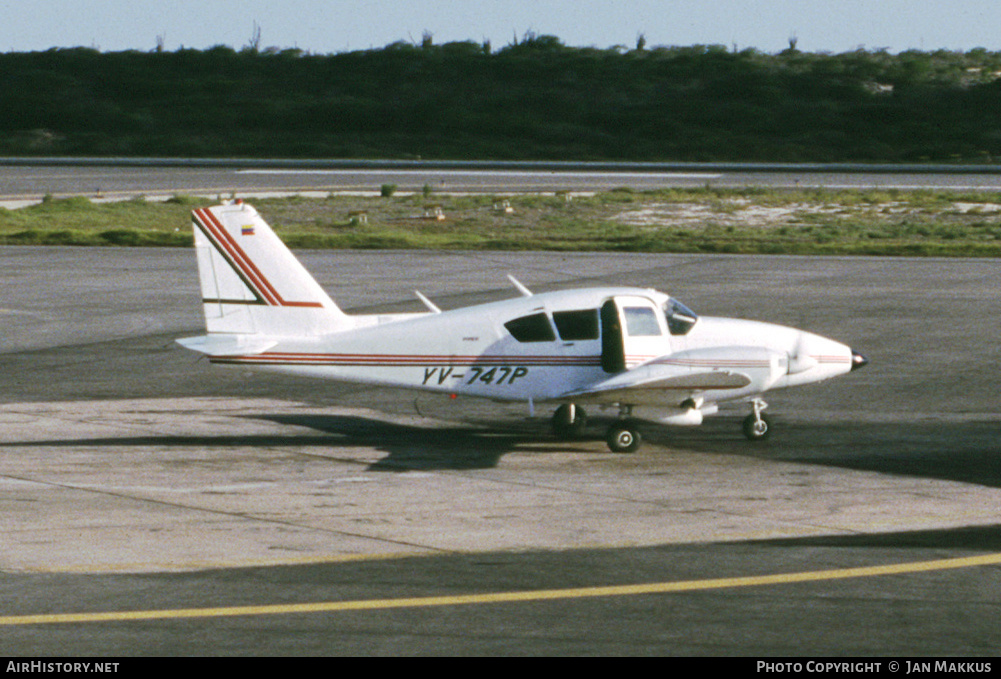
(154, 505)
(26, 184)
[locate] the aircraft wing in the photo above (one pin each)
(657, 385)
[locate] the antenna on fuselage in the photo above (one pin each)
(521, 288)
(428, 303)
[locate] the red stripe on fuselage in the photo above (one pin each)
(402, 360)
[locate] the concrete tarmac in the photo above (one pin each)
(137, 478)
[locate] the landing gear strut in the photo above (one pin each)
(757, 426)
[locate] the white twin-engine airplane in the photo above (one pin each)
(637, 350)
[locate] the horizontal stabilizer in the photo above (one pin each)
(226, 345)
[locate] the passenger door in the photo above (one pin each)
(632, 332)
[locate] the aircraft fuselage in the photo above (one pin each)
(471, 351)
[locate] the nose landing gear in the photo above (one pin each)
(757, 426)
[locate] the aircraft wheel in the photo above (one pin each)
(624, 438)
(569, 422)
(757, 428)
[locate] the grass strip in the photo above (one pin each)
(699, 220)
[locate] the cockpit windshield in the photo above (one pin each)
(680, 319)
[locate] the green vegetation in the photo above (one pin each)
(78, 221)
(707, 220)
(533, 99)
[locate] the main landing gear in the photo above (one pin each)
(624, 437)
(570, 421)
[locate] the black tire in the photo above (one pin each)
(757, 430)
(566, 429)
(624, 438)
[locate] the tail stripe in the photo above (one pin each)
(235, 256)
(200, 224)
(242, 264)
(266, 287)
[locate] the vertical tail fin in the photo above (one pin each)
(252, 283)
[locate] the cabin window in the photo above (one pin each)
(641, 321)
(577, 325)
(534, 328)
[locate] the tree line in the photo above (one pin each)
(535, 98)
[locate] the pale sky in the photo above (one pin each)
(328, 26)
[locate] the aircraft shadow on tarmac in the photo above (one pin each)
(412, 448)
(966, 452)
(981, 538)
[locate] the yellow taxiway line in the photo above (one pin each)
(506, 597)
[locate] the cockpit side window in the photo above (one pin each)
(680, 319)
(641, 321)
(577, 325)
(533, 328)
